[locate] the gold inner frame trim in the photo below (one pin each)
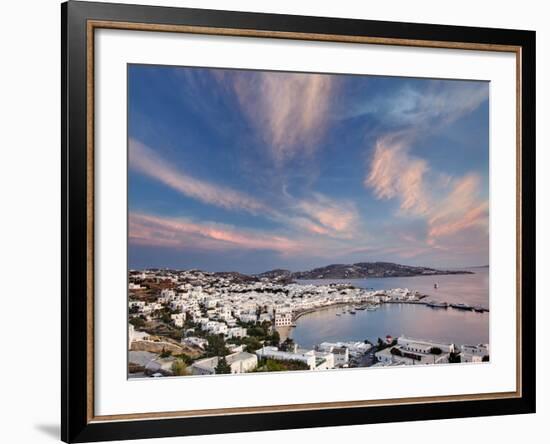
(97, 24)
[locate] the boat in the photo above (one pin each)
(352, 312)
(436, 286)
(361, 307)
(435, 304)
(479, 308)
(372, 307)
(462, 306)
(338, 314)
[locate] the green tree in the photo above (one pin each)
(454, 358)
(256, 331)
(275, 338)
(137, 322)
(216, 346)
(287, 344)
(223, 368)
(252, 344)
(179, 368)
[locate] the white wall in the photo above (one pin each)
(30, 207)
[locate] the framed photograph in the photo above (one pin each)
(275, 221)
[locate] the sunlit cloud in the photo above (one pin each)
(460, 209)
(146, 161)
(283, 194)
(317, 214)
(448, 205)
(288, 110)
(329, 216)
(394, 173)
(146, 229)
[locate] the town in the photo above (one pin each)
(192, 322)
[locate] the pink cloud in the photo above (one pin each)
(146, 161)
(396, 174)
(461, 209)
(288, 110)
(449, 205)
(153, 230)
(329, 216)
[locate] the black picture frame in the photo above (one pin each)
(76, 423)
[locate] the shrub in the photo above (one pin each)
(137, 322)
(179, 368)
(396, 352)
(287, 345)
(454, 358)
(274, 365)
(188, 360)
(165, 353)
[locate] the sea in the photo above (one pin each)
(416, 321)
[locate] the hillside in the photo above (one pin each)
(359, 270)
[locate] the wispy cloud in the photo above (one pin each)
(316, 214)
(288, 110)
(449, 205)
(461, 209)
(146, 161)
(328, 216)
(394, 173)
(152, 230)
(439, 102)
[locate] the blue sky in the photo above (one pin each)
(253, 170)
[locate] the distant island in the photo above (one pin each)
(360, 270)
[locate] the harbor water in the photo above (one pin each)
(417, 321)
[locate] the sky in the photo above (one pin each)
(239, 170)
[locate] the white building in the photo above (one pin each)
(248, 317)
(421, 346)
(240, 362)
(474, 353)
(195, 341)
(341, 356)
(215, 327)
(283, 319)
(130, 335)
(324, 360)
(178, 319)
(414, 351)
(339, 350)
(236, 332)
(307, 357)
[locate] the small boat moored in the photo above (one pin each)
(462, 306)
